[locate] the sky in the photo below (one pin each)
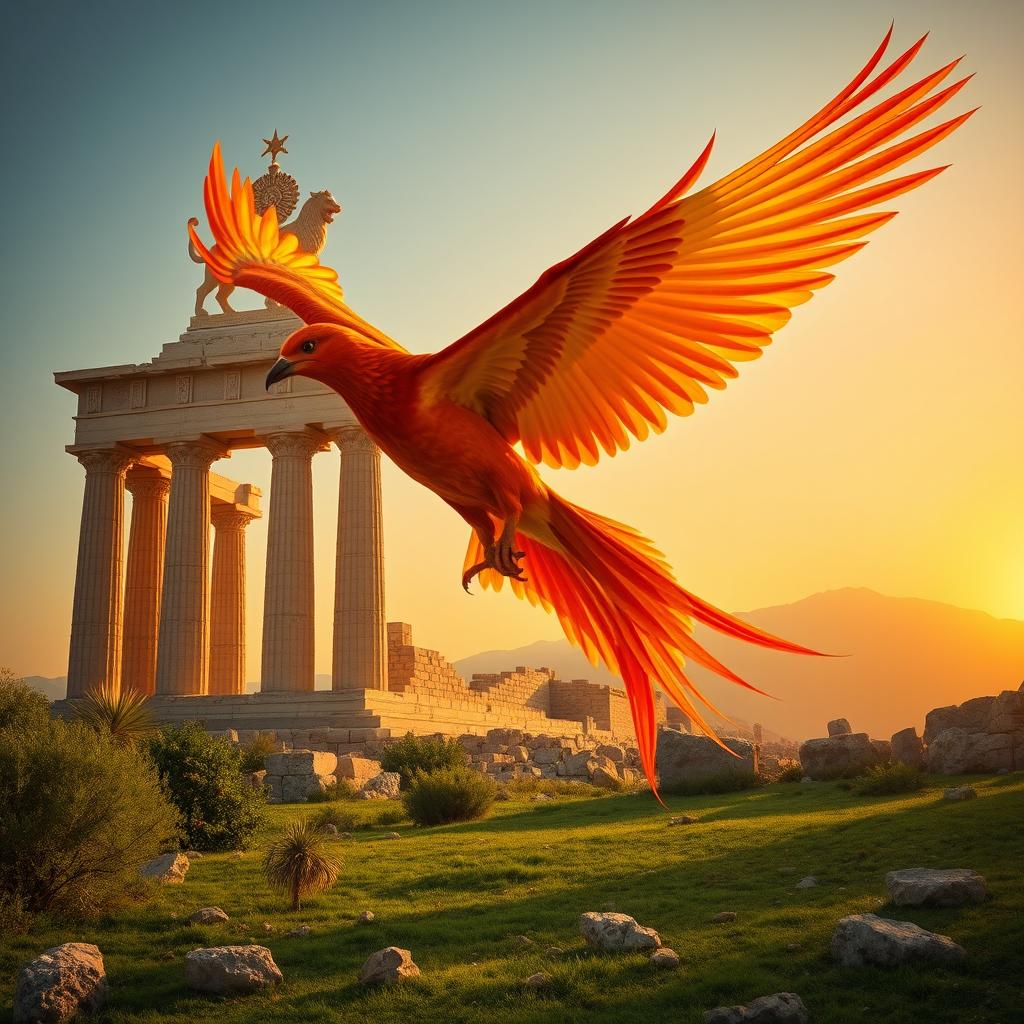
(878, 443)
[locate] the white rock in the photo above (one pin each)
(168, 868)
(665, 957)
(209, 915)
(928, 887)
(810, 882)
(957, 793)
(610, 931)
(388, 966)
(59, 984)
(383, 786)
(538, 980)
(231, 970)
(865, 939)
(366, 917)
(780, 1008)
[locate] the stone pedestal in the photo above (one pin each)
(227, 600)
(288, 625)
(94, 658)
(184, 609)
(144, 578)
(360, 646)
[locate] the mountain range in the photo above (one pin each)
(892, 659)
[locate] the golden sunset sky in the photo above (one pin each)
(878, 443)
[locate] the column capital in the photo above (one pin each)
(200, 453)
(300, 444)
(352, 438)
(114, 460)
(231, 517)
(146, 483)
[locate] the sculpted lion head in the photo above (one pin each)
(325, 204)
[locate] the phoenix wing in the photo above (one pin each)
(660, 308)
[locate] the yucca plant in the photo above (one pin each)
(298, 863)
(122, 714)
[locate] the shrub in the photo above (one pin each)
(21, 707)
(791, 773)
(389, 816)
(79, 815)
(529, 786)
(340, 789)
(343, 821)
(723, 782)
(255, 751)
(202, 776)
(123, 714)
(882, 779)
(447, 795)
(412, 754)
(298, 863)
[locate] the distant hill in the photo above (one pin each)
(53, 689)
(904, 656)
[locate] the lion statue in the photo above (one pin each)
(309, 227)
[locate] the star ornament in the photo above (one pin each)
(274, 146)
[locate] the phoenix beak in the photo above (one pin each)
(281, 369)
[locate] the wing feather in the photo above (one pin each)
(659, 309)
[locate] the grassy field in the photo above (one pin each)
(460, 896)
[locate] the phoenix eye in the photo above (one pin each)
(308, 346)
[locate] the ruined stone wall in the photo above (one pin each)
(530, 687)
(580, 699)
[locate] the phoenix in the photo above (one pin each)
(645, 320)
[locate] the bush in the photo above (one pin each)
(723, 782)
(529, 786)
(412, 754)
(79, 815)
(298, 863)
(340, 789)
(202, 776)
(447, 795)
(882, 779)
(255, 751)
(343, 821)
(123, 714)
(791, 773)
(21, 707)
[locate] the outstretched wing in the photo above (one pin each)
(660, 308)
(250, 251)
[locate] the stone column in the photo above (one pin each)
(288, 601)
(181, 665)
(94, 657)
(360, 646)
(144, 578)
(227, 600)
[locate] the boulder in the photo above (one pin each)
(810, 882)
(1007, 714)
(358, 770)
(606, 778)
(958, 793)
(939, 720)
(861, 940)
(614, 932)
(296, 789)
(835, 756)
(388, 966)
(665, 957)
(780, 1008)
(958, 752)
(883, 748)
(612, 752)
(906, 748)
(546, 755)
(839, 727)
(366, 917)
(167, 869)
(209, 915)
(59, 984)
(383, 786)
(538, 980)
(302, 762)
(231, 970)
(508, 737)
(972, 716)
(580, 765)
(929, 887)
(683, 758)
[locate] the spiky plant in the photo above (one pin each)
(298, 863)
(123, 714)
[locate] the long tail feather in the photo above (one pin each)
(617, 601)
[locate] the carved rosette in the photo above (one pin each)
(277, 189)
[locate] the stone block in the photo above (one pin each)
(958, 752)
(302, 762)
(835, 756)
(684, 758)
(839, 727)
(906, 748)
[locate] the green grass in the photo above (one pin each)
(459, 896)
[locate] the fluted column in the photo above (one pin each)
(288, 600)
(181, 664)
(227, 600)
(144, 578)
(360, 646)
(94, 657)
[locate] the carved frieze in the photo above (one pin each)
(232, 386)
(94, 398)
(137, 399)
(183, 388)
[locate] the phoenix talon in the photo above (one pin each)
(641, 322)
